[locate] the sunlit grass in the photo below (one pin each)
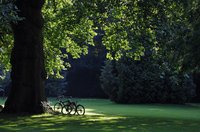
(103, 115)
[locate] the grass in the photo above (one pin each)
(103, 115)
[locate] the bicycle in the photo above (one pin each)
(73, 108)
(60, 104)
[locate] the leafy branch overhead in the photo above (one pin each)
(8, 15)
(131, 28)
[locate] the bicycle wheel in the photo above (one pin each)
(80, 110)
(66, 109)
(57, 107)
(73, 111)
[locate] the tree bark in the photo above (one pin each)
(27, 60)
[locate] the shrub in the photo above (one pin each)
(145, 81)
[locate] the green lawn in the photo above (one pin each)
(103, 115)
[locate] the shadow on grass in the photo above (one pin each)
(61, 123)
(103, 115)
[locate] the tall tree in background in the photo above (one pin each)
(27, 60)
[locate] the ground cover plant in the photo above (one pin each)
(104, 115)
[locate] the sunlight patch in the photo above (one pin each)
(106, 118)
(92, 112)
(54, 129)
(47, 124)
(41, 115)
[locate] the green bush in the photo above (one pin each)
(145, 81)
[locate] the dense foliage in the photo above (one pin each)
(8, 15)
(66, 33)
(145, 81)
(129, 27)
(192, 48)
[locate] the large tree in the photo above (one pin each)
(131, 28)
(27, 60)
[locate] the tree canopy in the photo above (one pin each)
(131, 28)
(8, 14)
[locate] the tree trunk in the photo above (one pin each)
(27, 60)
